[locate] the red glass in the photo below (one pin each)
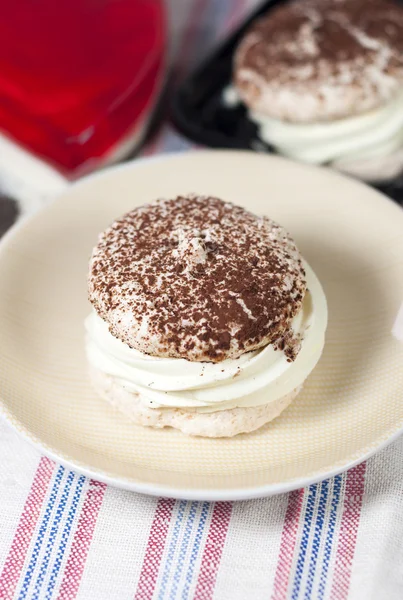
(77, 76)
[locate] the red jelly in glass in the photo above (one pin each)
(78, 78)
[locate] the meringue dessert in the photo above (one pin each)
(323, 81)
(205, 317)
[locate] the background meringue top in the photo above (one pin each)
(197, 278)
(318, 60)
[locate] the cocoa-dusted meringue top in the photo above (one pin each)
(197, 278)
(317, 60)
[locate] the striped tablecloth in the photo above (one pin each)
(64, 536)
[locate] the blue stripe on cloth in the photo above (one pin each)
(196, 548)
(308, 517)
(337, 481)
(52, 535)
(320, 519)
(171, 549)
(41, 533)
(65, 537)
(183, 550)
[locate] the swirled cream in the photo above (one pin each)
(255, 378)
(368, 138)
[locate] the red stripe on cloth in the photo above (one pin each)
(15, 560)
(287, 544)
(213, 548)
(82, 541)
(155, 549)
(350, 520)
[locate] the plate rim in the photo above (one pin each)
(196, 494)
(154, 489)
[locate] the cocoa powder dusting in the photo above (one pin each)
(197, 278)
(347, 54)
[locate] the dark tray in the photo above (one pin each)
(199, 113)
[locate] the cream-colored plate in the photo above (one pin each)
(351, 405)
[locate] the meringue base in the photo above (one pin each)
(224, 423)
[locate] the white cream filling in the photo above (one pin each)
(376, 134)
(256, 378)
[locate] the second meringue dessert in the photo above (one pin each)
(205, 317)
(323, 80)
